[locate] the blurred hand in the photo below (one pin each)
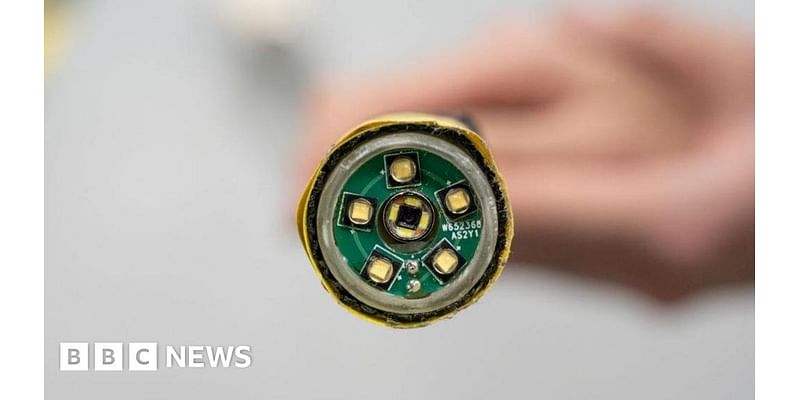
(626, 141)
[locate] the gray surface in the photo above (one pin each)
(167, 201)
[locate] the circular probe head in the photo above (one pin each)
(407, 220)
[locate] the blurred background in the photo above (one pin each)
(171, 129)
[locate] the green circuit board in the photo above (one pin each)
(434, 179)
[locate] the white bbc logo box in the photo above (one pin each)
(74, 356)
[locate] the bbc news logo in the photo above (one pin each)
(108, 356)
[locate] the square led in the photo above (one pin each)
(457, 200)
(402, 169)
(380, 268)
(357, 212)
(444, 261)
(360, 211)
